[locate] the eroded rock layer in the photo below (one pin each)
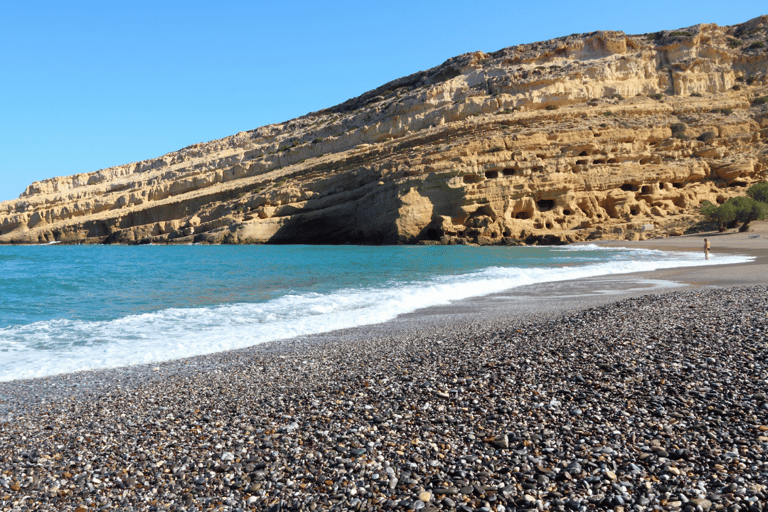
(599, 135)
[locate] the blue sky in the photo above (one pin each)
(89, 85)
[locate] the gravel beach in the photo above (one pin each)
(615, 394)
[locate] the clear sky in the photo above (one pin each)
(89, 85)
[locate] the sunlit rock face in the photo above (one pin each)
(599, 135)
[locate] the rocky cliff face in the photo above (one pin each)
(587, 136)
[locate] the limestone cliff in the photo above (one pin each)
(585, 136)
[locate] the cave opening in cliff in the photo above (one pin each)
(545, 205)
(472, 178)
(629, 187)
(737, 184)
(491, 174)
(567, 212)
(508, 171)
(523, 215)
(634, 211)
(677, 185)
(647, 189)
(582, 162)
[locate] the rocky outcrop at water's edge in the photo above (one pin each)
(600, 135)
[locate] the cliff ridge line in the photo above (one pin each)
(599, 135)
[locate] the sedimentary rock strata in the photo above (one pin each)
(587, 136)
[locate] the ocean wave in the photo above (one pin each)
(64, 346)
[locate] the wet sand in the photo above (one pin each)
(752, 243)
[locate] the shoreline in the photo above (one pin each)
(540, 301)
(603, 407)
(632, 390)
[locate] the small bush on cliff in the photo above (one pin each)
(551, 107)
(707, 137)
(656, 96)
(678, 131)
(680, 34)
(696, 94)
(733, 42)
(760, 101)
(756, 45)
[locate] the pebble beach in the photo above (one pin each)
(652, 402)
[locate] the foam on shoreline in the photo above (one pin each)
(65, 346)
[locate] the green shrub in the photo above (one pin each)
(751, 80)
(724, 111)
(759, 192)
(736, 87)
(551, 107)
(617, 96)
(496, 149)
(756, 45)
(680, 34)
(707, 137)
(748, 210)
(678, 127)
(678, 131)
(760, 101)
(722, 215)
(739, 209)
(733, 42)
(696, 94)
(608, 114)
(656, 96)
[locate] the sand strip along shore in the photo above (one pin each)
(752, 243)
(566, 401)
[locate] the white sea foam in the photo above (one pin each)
(64, 346)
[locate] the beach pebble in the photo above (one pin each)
(652, 403)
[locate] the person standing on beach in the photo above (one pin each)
(706, 248)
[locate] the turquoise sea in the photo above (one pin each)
(71, 308)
